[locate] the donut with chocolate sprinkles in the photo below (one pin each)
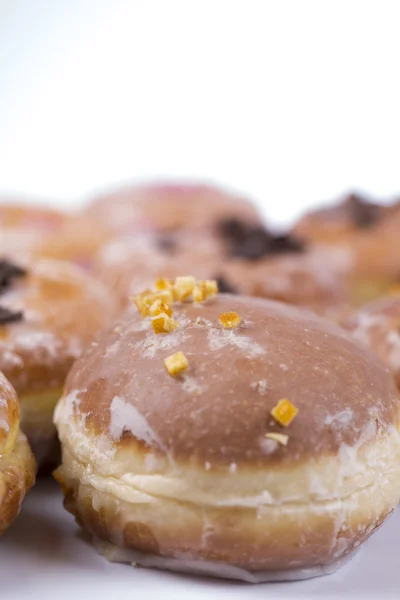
(48, 313)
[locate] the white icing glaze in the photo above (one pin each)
(124, 416)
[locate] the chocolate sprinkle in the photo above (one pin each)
(9, 316)
(224, 287)
(254, 242)
(8, 272)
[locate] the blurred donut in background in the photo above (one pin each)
(368, 233)
(341, 220)
(24, 225)
(166, 207)
(377, 326)
(79, 240)
(49, 312)
(245, 259)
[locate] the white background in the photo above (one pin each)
(290, 101)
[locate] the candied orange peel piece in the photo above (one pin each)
(159, 307)
(145, 300)
(281, 438)
(183, 287)
(229, 320)
(163, 283)
(204, 289)
(284, 412)
(152, 303)
(176, 363)
(162, 323)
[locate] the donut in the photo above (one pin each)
(165, 207)
(377, 325)
(23, 226)
(245, 259)
(17, 465)
(229, 436)
(49, 311)
(340, 221)
(368, 233)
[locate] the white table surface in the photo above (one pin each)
(44, 555)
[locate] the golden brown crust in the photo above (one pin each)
(17, 465)
(9, 413)
(219, 410)
(17, 475)
(143, 208)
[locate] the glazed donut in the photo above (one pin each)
(368, 234)
(23, 226)
(17, 465)
(340, 221)
(253, 441)
(377, 325)
(164, 207)
(49, 311)
(245, 260)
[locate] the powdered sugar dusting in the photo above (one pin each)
(342, 418)
(261, 386)
(154, 343)
(218, 339)
(192, 386)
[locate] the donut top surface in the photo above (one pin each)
(49, 311)
(169, 207)
(9, 414)
(219, 410)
